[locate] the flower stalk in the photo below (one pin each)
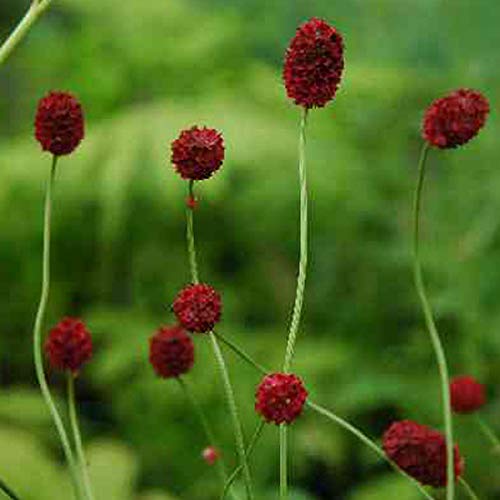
(7, 491)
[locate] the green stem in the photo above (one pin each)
(242, 354)
(488, 432)
(434, 336)
(366, 440)
(237, 428)
(209, 435)
(78, 438)
(37, 334)
(468, 489)
(36, 9)
(283, 462)
(7, 491)
(250, 448)
(301, 279)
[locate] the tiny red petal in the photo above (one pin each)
(280, 397)
(197, 153)
(420, 452)
(198, 308)
(171, 351)
(68, 345)
(210, 454)
(59, 123)
(314, 63)
(455, 119)
(467, 394)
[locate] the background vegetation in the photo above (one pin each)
(144, 70)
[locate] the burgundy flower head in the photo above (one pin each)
(171, 351)
(455, 119)
(198, 308)
(467, 394)
(420, 452)
(314, 62)
(210, 455)
(280, 397)
(59, 126)
(197, 153)
(68, 345)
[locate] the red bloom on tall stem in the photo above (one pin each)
(467, 394)
(68, 345)
(455, 119)
(197, 153)
(198, 307)
(171, 351)
(280, 397)
(59, 123)
(314, 62)
(420, 452)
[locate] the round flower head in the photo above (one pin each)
(314, 62)
(59, 126)
(198, 308)
(171, 351)
(467, 394)
(455, 119)
(210, 455)
(420, 452)
(68, 345)
(197, 153)
(280, 398)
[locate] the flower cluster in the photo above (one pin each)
(467, 394)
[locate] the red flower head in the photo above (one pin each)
(420, 452)
(68, 345)
(455, 119)
(467, 394)
(314, 62)
(210, 455)
(198, 308)
(171, 351)
(59, 126)
(197, 153)
(280, 398)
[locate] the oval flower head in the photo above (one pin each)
(59, 123)
(467, 394)
(455, 119)
(314, 62)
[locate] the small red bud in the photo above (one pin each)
(210, 454)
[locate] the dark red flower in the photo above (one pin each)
(280, 397)
(198, 308)
(467, 394)
(420, 452)
(455, 119)
(68, 345)
(59, 126)
(314, 62)
(197, 153)
(210, 455)
(171, 351)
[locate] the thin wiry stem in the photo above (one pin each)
(219, 358)
(7, 491)
(488, 432)
(283, 462)
(467, 487)
(431, 327)
(36, 9)
(37, 334)
(73, 418)
(366, 440)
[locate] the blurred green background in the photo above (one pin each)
(145, 70)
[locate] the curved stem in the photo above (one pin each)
(467, 487)
(429, 320)
(36, 9)
(249, 450)
(488, 432)
(366, 440)
(37, 334)
(7, 491)
(78, 438)
(209, 435)
(237, 428)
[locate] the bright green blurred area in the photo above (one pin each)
(145, 70)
